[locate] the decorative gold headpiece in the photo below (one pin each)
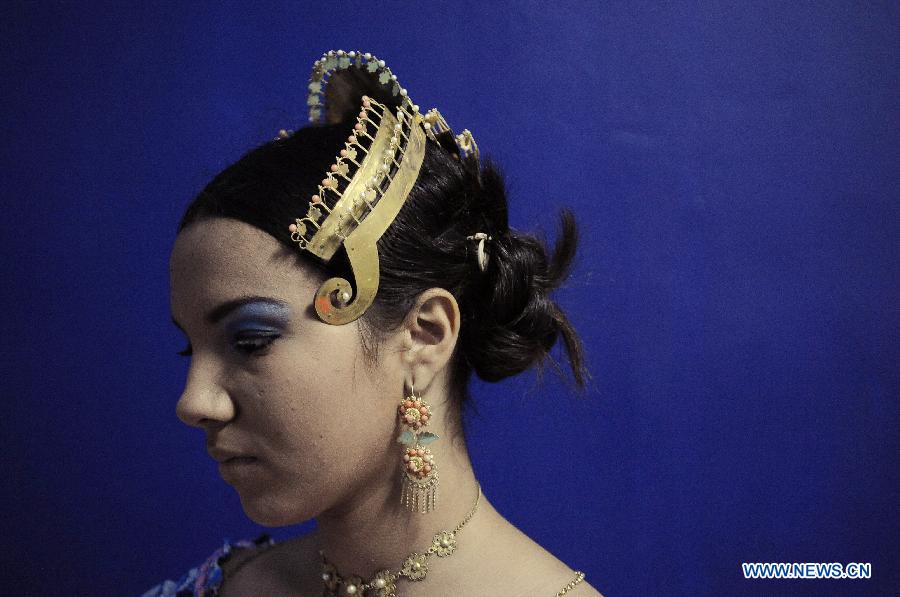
(369, 182)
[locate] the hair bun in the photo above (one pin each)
(517, 323)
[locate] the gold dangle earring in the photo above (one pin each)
(420, 477)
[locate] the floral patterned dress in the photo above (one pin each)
(205, 579)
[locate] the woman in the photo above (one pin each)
(333, 325)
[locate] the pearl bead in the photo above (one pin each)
(445, 543)
(381, 63)
(379, 583)
(417, 565)
(326, 576)
(351, 589)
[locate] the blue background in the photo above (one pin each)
(734, 167)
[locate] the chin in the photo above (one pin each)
(267, 511)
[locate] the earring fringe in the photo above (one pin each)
(420, 497)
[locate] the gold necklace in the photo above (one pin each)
(384, 583)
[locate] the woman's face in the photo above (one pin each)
(270, 382)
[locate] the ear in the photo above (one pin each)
(431, 329)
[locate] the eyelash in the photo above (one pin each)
(248, 346)
(254, 344)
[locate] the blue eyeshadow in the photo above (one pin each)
(259, 315)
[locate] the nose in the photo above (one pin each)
(204, 402)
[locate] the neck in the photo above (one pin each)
(373, 531)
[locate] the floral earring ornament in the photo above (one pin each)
(420, 478)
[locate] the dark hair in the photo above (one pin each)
(509, 323)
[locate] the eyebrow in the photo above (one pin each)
(219, 312)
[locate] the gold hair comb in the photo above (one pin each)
(371, 178)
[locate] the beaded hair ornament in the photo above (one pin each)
(371, 178)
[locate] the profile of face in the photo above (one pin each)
(311, 419)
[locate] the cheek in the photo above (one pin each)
(324, 416)
(327, 434)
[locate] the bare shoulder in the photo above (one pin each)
(546, 576)
(523, 567)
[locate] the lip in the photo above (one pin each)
(223, 456)
(238, 461)
(238, 469)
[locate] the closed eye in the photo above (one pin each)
(256, 344)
